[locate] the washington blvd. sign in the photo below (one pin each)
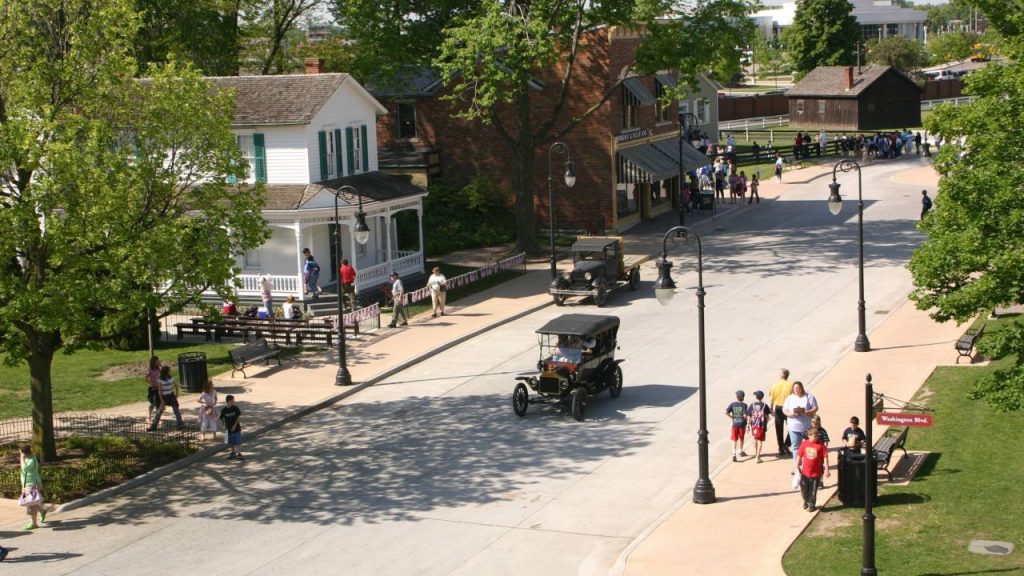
(904, 419)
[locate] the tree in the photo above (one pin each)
(951, 46)
(204, 32)
(266, 25)
(899, 52)
(768, 56)
(490, 50)
(824, 33)
(973, 259)
(113, 193)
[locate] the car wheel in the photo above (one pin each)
(634, 279)
(601, 298)
(579, 403)
(615, 382)
(520, 400)
(559, 299)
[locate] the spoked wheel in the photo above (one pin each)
(601, 298)
(520, 400)
(559, 299)
(634, 279)
(615, 382)
(579, 403)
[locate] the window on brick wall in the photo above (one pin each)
(406, 120)
(662, 107)
(630, 110)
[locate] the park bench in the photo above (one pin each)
(312, 334)
(965, 345)
(888, 444)
(249, 354)
(197, 326)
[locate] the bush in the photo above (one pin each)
(469, 217)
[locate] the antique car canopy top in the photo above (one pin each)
(579, 324)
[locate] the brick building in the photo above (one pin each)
(626, 153)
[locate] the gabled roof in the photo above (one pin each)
(831, 81)
(284, 100)
(373, 186)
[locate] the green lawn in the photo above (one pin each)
(969, 488)
(77, 381)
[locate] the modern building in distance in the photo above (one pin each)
(878, 19)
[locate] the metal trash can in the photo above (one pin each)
(851, 478)
(192, 373)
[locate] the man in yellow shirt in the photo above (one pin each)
(778, 394)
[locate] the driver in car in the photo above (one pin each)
(567, 349)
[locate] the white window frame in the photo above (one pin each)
(357, 149)
(247, 146)
(331, 153)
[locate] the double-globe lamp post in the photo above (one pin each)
(664, 289)
(835, 206)
(684, 133)
(362, 234)
(570, 180)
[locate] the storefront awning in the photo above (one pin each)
(637, 88)
(666, 80)
(650, 160)
(692, 158)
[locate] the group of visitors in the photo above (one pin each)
(798, 432)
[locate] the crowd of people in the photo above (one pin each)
(798, 432)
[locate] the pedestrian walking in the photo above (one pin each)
(267, 294)
(812, 460)
(438, 290)
(3, 553)
(311, 273)
(758, 415)
(398, 294)
(822, 433)
(755, 183)
(737, 411)
(208, 410)
(779, 163)
(231, 414)
(917, 142)
(31, 488)
(348, 281)
(168, 397)
(153, 385)
(799, 408)
(926, 203)
(777, 394)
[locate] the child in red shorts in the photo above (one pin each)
(758, 415)
(737, 411)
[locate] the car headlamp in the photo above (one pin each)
(588, 276)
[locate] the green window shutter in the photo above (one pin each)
(350, 150)
(259, 157)
(366, 152)
(323, 154)
(338, 166)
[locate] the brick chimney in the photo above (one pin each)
(849, 75)
(314, 65)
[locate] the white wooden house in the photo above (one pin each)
(305, 135)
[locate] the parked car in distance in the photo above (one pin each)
(598, 267)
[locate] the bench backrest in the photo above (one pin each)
(256, 348)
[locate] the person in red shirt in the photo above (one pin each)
(348, 281)
(812, 460)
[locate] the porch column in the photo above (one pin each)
(298, 259)
(419, 223)
(387, 257)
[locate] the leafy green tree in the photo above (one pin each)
(266, 27)
(824, 33)
(973, 259)
(491, 49)
(769, 56)
(899, 52)
(114, 197)
(951, 46)
(204, 32)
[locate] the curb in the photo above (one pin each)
(204, 453)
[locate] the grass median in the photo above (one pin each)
(967, 489)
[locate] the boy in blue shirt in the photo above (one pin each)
(737, 411)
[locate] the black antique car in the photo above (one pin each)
(577, 359)
(598, 267)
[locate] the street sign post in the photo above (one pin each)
(905, 419)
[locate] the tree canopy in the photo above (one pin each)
(973, 259)
(113, 193)
(824, 33)
(900, 52)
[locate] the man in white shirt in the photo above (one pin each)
(398, 293)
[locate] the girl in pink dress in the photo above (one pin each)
(208, 410)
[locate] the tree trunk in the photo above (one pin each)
(524, 154)
(41, 348)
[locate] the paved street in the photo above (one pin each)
(429, 472)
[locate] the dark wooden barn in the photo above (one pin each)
(850, 98)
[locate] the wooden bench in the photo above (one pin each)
(888, 444)
(249, 354)
(313, 334)
(965, 345)
(197, 326)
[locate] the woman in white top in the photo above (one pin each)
(291, 309)
(799, 408)
(438, 290)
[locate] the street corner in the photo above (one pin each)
(918, 176)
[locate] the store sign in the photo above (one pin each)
(905, 419)
(634, 135)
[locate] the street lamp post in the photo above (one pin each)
(870, 479)
(684, 132)
(362, 234)
(835, 205)
(664, 289)
(570, 180)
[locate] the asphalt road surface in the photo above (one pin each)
(431, 473)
